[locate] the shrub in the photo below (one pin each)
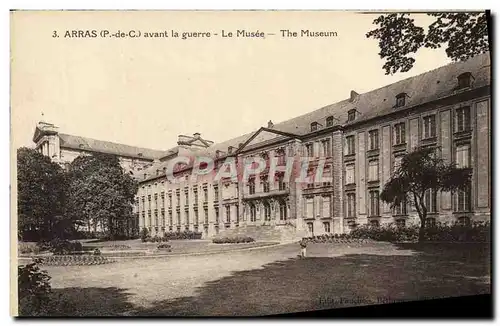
(164, 246)
(28, 248)
(118, 247)
(144, 234)
(237, 239)
(64, 247)
(33, 289)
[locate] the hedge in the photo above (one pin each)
(237, 239)
(184, 235)
(477, 232)
(71, 260)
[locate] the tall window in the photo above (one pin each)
(196, 217)
(326, 226)
(228, 214)
(251, 186)
(281, 182)
(281, 157)
(351, 115)
(314, 126)
(374, 203)
(327, 151)
(309, 209)
(283, 211)
(267, 212)
(170, 218)
(178, 217)
(326, 205)
(349, 174)
(195, 192)
(462, 200)
(205, 212)
(463, 119)
(400, 209)
(429, 127)
(463, 156)
(373, 135)
(309, 150)
(265, 184)
(430, 200)
(169, 200)
(399, 133)
(350, 145)
(178, 197)
(253, 213)
(186, 195)
(373, 170)
(216, 215)
(205, 194)
(216, 193)
(351, 205)
(186, 214)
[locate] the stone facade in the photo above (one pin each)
(359, 141)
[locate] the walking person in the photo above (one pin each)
(303, 246)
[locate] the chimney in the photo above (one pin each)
(196, 135)
(353, 96)
(270, 124)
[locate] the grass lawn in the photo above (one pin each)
(272, 280)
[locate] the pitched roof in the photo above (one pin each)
(420, 89)
(84, 143)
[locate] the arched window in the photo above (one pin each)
(400, 100)
(314, 126)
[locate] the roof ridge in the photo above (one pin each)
(111, 142)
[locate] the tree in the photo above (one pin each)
(420, 171)
(465, 34)
(41, 198)
(101, 193)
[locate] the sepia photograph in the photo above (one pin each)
(208, 163)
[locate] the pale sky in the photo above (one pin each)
(145, 92)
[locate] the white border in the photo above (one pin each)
(180, 5)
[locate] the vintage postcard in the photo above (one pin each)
(250, 163)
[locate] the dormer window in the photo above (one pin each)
(465, 80)
(314, 126)
(400, 100)
(351, 115)
(81, 146)
(329, 121)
